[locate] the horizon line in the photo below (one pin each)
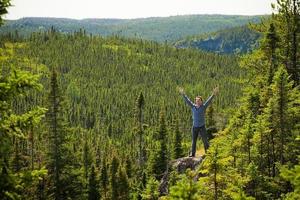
(55, 17)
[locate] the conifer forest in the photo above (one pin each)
(88, 116)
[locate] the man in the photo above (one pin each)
(198, 111)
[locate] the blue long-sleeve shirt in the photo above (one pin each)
(198, 112)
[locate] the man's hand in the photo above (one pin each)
(216, 90)
(181, 90)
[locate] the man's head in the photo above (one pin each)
(198, 100)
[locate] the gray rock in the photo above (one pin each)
(180, 165)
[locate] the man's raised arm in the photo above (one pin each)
(186, 99)
(208, 101)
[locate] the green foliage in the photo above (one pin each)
(186, 188)
(4, 4)
(292, 175)
(287, 23)
(262, 138)
(93, 192)
(104, 181)
(158, 161)
(15, 83)
(177, 146)
(123, 184)
(98, 119)
(114, 178)
(210, 119)
(151, 190)
(60, 161)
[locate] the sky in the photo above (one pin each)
(128, 9)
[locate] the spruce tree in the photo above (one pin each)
(210, 121)
(283, 112)
(177, 146)
(123, 184)
(62, 182)
(56, 139)
(104, 180)
(140, 102)
(269, 46)
(114, 178)
(158, 162)
(93, 192)
(13, 127)
(287, 20)
(87, 157)
(4, 4)
(151, 190)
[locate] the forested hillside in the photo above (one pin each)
(112, 103)
(158, 29)
(91, 117)
(237, 40)
(257, 155)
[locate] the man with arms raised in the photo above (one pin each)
(198, 112)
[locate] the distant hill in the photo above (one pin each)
(160, 29)
(234, 40)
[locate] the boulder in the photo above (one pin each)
(180, 165)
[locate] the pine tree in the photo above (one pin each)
(93, 192)
(186, 188)
(63, 182)
(280, 108)
(123, 184)
(151, 190)
(109, 130)
(140, 102)
(210, 121)
(87, 158)
(4, 4)
(269, 46)
(177, 147)
(158, 162)
(104, 180)
(288, 23)
(128, 167)
(114, 178)
(292, 175)
(56, 138)
(13, 127)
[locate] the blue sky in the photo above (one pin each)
(79, 9)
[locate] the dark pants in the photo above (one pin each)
(195, 132)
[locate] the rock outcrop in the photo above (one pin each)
(180, 165)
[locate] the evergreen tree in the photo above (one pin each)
(62, 182)
(158, 162)
(93, 192)
(4, 4)
(282, 113)
(123, 184)
(287, 20)
(104, 180)
(185, 188)
(129, 168)
(13, 126)
(269, 46)
(140, 102)
(292, 175)
(87, 158)
(56, 138)
(210, 121)
(151, 190)
(114, 178)
(177, 147)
